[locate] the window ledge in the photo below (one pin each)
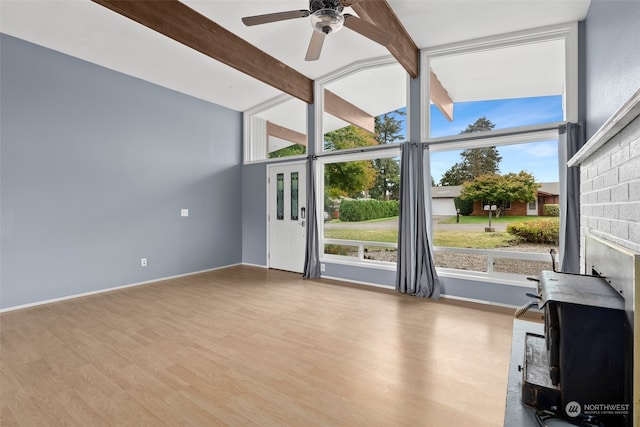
(380, 265)
(495, 278)
(476, 276)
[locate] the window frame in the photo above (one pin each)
(249, 147)
(569, 34)
(363, 153)
(339, 157)
(566, 32)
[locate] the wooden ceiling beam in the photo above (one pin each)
(440, 97)
(184, 25)
(344, 110)
(287, 134)
(402, 47)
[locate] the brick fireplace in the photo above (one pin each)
(610, 215)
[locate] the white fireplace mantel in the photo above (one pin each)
(621, 118)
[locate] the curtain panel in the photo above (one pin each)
(416, 271)
(312, 255)
(570, 139)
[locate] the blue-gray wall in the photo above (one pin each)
(612, 58)
(95, 167)
(254, 214)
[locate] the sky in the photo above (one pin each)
(539, 158)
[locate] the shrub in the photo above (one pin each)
(363, 210)
(551, 210)
(538, 231)
(465, 205)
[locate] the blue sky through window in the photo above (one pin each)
(538, 158)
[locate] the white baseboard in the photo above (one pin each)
(358, 282)
(115, 288)
(254, 265)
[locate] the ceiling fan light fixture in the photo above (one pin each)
(326, 21)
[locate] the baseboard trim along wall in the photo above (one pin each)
(101, 291)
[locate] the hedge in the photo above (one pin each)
(465, 205)
(538, 231)
(363, 210)
(551, 210)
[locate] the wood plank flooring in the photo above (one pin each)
(246, 346)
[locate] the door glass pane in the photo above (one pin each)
(280, 196)
(294, 196)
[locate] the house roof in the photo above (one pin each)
(448, 191)
(91, 32)
(552, 188)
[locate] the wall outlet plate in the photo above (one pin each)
(143, 262)
(184, 212)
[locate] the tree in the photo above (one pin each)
(480, 125)
(499, 189)
(292, 150)
(348, 178)
(387, 179)
(475, 161)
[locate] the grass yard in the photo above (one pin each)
(480, 239)
(473, 239)
(485, 219)
(455, 239)
(367, 235)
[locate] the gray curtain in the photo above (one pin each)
(416, 271)
(570, 139)
(312, 256)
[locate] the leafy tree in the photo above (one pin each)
(480, 125)
(387, 179)
(499, 189)
(475, 161)
(292, 150)
(348, 137)
(348, 178)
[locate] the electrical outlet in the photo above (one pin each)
(184, 212)
(321, 267)
(143, 262)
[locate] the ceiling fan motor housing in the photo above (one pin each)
(326, 15)
(315, 5)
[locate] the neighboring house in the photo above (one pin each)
(548, 193)
(442, 199)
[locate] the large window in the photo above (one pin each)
(360, 207)
(355, 105)
(491, 110)
(276, 129)
(515, 81)
(363, 119)
(495, 208)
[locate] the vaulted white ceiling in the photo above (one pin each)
(86, 30)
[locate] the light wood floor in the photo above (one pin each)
(246, 346)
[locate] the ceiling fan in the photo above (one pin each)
(326, 18)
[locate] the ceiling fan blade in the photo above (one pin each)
(368, 30)
(273, 17)
(315, 46)
(348, 3)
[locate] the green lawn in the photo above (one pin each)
(473, 239)
(485, 219)
(370, 235)
(456, 239)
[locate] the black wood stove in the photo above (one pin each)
(577, 369)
